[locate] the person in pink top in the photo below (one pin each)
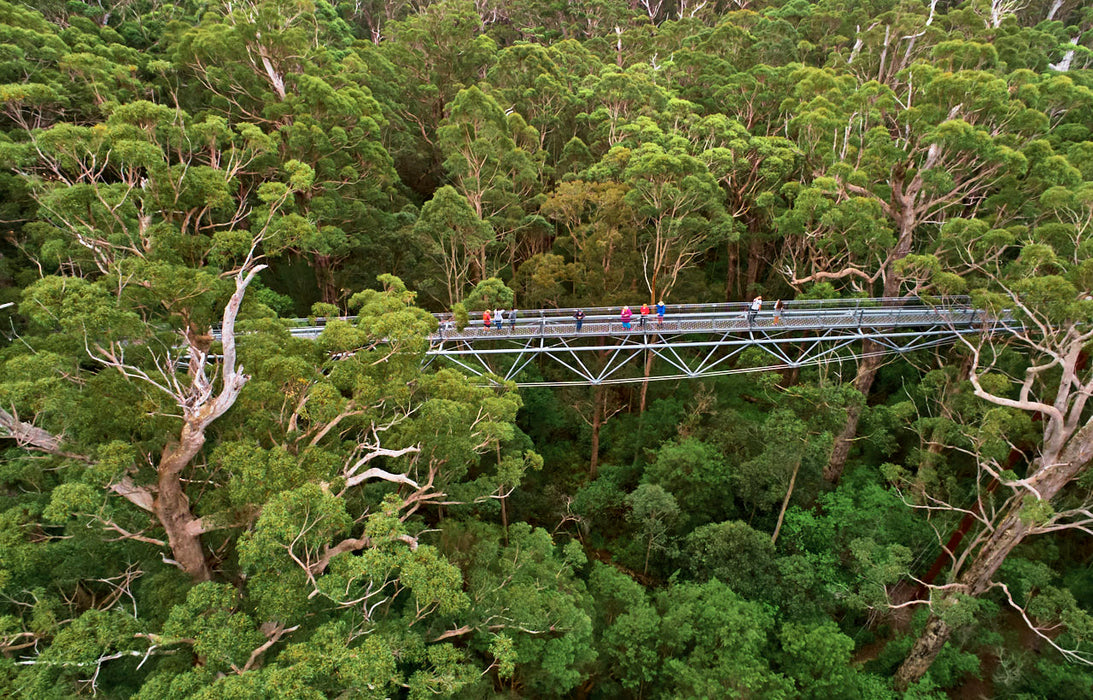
(626, 314)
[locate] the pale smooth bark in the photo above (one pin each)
(199, 409)
(1065, 454)
(785, 503)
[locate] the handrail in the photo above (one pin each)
(736, 321)
(593, 313)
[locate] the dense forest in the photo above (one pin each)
(197, 504)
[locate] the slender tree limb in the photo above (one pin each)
(273, 633)
(377, 473)
(30, 436)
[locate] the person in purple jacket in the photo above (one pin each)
(626, 314)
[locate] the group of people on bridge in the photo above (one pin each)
(627, 316)
(496, 319)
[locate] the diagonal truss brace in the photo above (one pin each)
(603, 359)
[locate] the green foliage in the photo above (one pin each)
(699, 479)
(714, 641)
(627, 627)
(451, 234)
(733, 553)
(534, 595)
(489, 294)
(817, 658)
(360, 522)
(460, 316)
(654, 512)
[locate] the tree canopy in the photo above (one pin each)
(197, 504)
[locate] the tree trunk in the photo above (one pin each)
(973, 582)
(923, 653)
(903, 207)
(276, 79)
(755, 257)
(863, 382)
(480, 264)
(324, 276)
(1056, 467)
(732, 269)
(648, 552)
(597, 421)
(785, 503)
(790, 376)
(645, 381)
(172, 506)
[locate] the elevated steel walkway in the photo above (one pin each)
(699, 340)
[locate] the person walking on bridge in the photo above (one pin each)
(499, 319)
(627, 314)
(753, 310)
(644, 314)
(660, 313)
(779, 306)
(579, 317)
(512, 320)
(486, 319)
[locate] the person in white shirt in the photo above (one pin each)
(753, 310)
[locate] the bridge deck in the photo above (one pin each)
(704, 318)
(718, 322)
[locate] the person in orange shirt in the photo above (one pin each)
(644, 314)
(486, 318)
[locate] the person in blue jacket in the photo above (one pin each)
(660, 313)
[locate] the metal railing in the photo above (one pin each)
(684, 318)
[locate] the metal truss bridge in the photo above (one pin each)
(699, 340)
